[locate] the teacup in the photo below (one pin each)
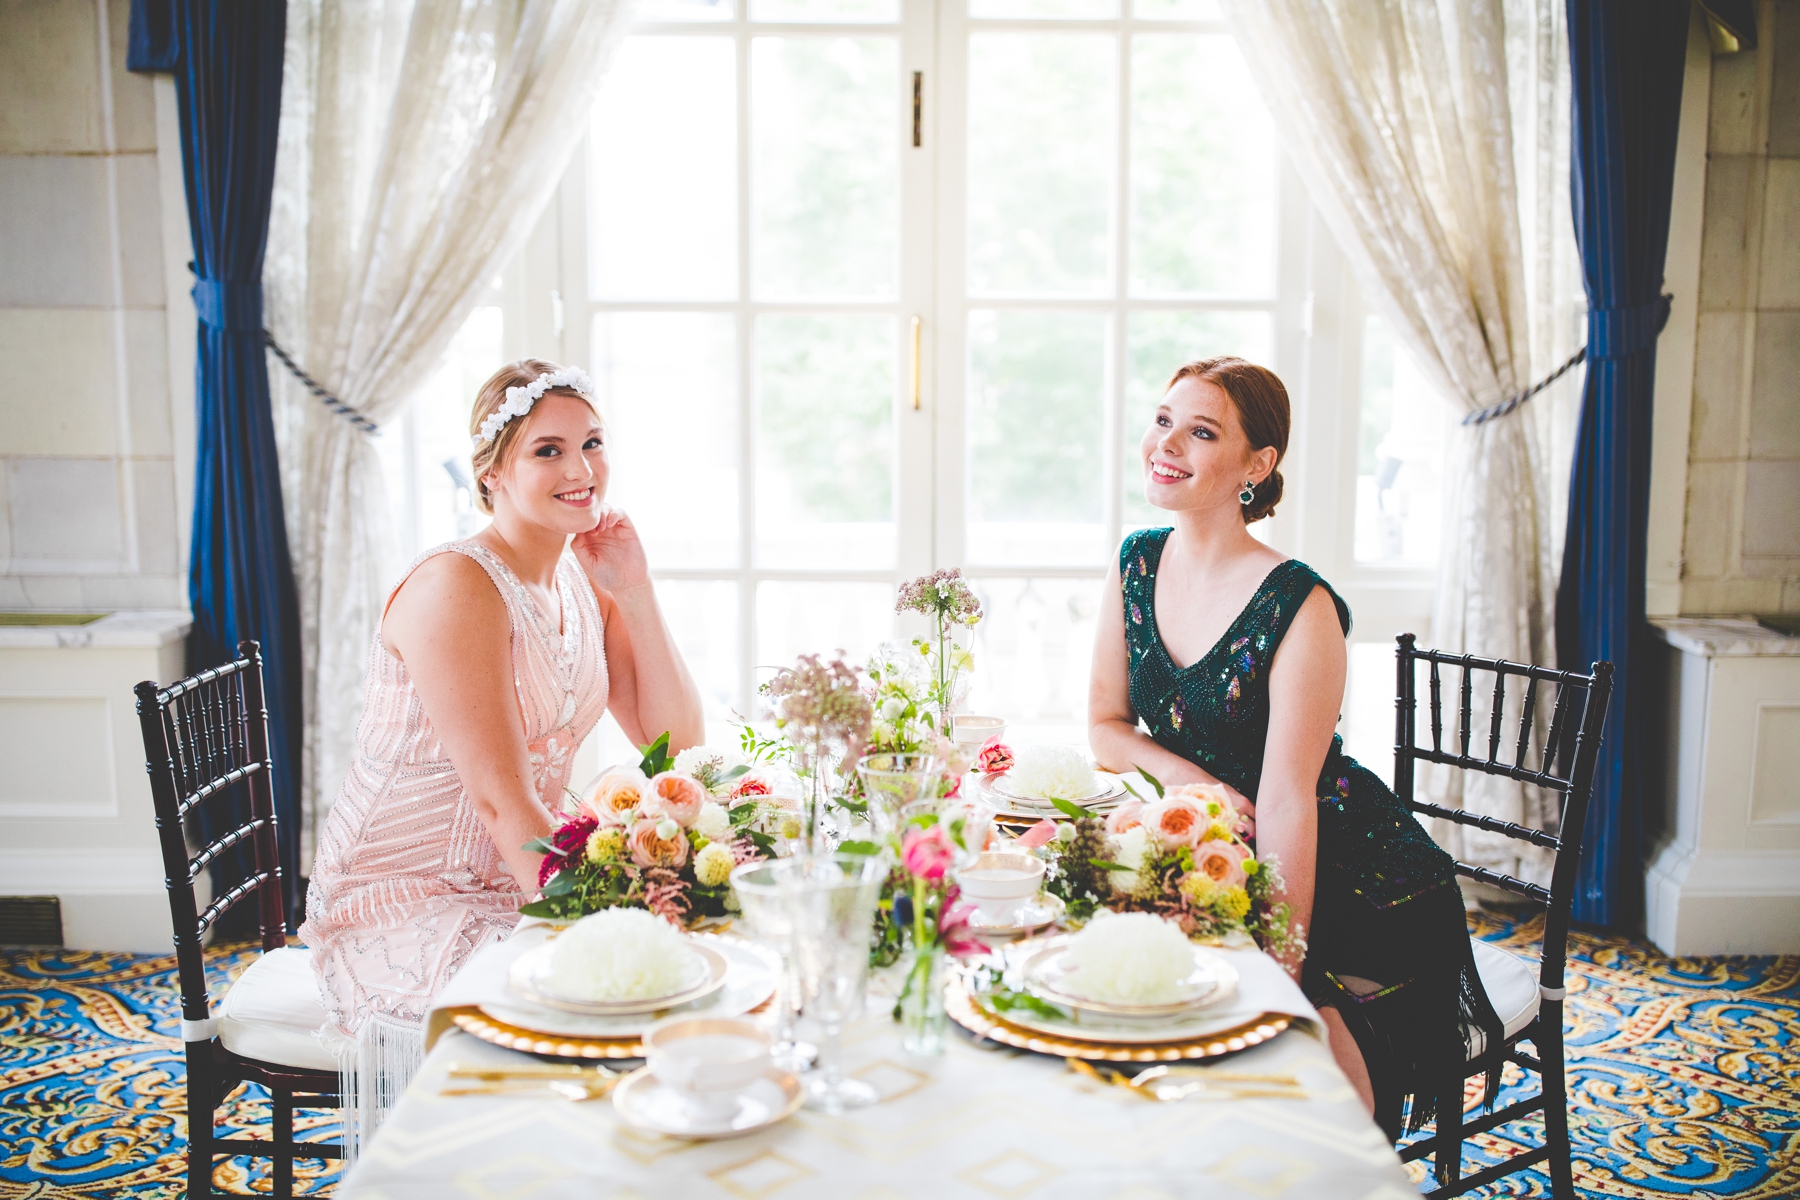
(971, 730)
(707, 1061)
(1001, 882)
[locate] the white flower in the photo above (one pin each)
(1052, 773)
(713, 823)
(1130, 957)
(520, 399)
(1129, 850)
(666, 829)
(707, 764)
(892, 709)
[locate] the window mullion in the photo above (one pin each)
(1112, 437)
(746, 366)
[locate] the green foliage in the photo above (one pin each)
(655, 756)
(1078, 874)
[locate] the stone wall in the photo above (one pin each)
(91, 480)
(1741, 551)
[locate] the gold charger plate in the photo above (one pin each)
(514, 1037)
(962, 1009)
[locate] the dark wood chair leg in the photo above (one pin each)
(1446, 1155)
(201, 1108)
(281, 1110)
(1554, 1079)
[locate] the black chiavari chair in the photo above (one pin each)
(206, 742)
(1530, 1007)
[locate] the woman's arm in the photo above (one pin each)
(648, 685)
(1306, 693)
(449, 626)
(1113, 733)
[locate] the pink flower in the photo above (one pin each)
(995, 757)
(1176, 819)
(1125, 816)
(955, 792)
(752, 783)
(675, 796)
(1221, 862)
(926, 853)
(1041, 834)
(617, 796)
(954, 932)
(649, 849)
(570, 842)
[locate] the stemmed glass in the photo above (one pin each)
(829, 906)
(894, 782)
(760, 892)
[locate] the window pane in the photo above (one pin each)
(662, 179)
(441, 500)
(826, 175)
(825, 444)
(820, 618)
(1033, 650)
(1177, 10)
(1158, 343)
(669, 385)
(1035, 404)
(703, 616)
(1045, 9)
(824, 10)
(1040, 162)
(1399, 456)
(684, 10)
(1203, 168)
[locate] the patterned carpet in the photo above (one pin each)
(1685, 1077)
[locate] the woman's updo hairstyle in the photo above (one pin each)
(490, 457)
(1262, 407)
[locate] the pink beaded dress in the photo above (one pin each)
(407, 883)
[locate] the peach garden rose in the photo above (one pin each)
(657, 842)
(675, 796)
(1176, 819)
(1221, 862)
(618, 795)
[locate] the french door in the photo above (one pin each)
(877, 286)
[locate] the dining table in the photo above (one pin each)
(981, 1120)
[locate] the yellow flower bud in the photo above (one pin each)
(1234, 903)
(605, 845)
(712, 866)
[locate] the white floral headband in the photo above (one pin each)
(520, 399)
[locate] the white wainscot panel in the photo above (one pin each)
(58, 752)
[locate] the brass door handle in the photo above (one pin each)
(917, 324)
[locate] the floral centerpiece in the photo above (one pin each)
(946, 598)
(925, 904)
(653, 837)
(824, 712)
(1182, 855)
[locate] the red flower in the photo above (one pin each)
(569, 842)
(995, 757)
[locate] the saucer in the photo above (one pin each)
(645, 1102)
(1041, 912)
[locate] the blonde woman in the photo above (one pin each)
(494, 660)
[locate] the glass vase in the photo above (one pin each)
(923, 1023)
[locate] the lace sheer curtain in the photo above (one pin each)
(394, 206)
(1433, 138)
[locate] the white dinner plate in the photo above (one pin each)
(1197, 1025)
(1111, 788)
(1047, 973)
(749, 980)
(644, 1102)
(530, 978)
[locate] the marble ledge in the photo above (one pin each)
(152, 628)
(1724, 637)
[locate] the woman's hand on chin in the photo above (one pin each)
(611, 553)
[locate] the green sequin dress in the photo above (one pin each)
(1389, 944)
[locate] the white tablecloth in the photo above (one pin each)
(977, 1122)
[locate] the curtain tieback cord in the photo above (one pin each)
(1619, 332)
(312, 385)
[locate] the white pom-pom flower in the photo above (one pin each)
(713, 823)
(1052, 773)
(1128, 958)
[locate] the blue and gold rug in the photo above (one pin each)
(1684, 1077)
(92, 1100)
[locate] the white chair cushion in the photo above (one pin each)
(273, 1010)
(1512, 988)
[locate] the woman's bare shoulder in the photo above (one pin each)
(448, 595)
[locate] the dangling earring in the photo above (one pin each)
(1248, 494)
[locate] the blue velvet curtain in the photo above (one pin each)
(1627, 58)
(226, 56)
